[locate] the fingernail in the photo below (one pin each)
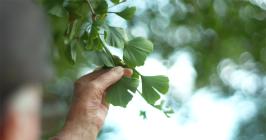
(128, 72)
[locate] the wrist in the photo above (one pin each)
(76, 132)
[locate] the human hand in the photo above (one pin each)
(89, 109)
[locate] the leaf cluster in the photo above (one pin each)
(86, 30)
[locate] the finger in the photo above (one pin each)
(93, 75)
(128, 72)
(104, 102)
(110, 77)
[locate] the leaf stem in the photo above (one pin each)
(138, 91)
(117, 4)
(92, 10)
(108, 52)
(112, 12)
(137, 72)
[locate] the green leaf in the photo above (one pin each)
(71, 52)
(75, 29)
(115, 36)
(136, 51)
(143, 114)
(152, 86)
(127, 13)
(115, 1)
(94, 30)
(119, 94)
(72, 5)
(94, 41)
(85, 27)
(118, 61)
(105, 59)
(101, 7)
(94, 44)
(58, 11)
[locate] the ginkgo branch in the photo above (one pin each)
(112, 12)
(92, 10)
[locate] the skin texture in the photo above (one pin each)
(89, 109)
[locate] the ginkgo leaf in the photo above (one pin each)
(75, 30)
(72, 5)
(105, 59)
(115, 1)
(71, 52)
(102, 7)
(152, 86)
(58, 11)
(143, 114)
(127, 13)
(115, 36)
(136, 51)
(119, 94)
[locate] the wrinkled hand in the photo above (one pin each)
(89, 109)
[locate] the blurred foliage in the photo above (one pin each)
(211, 30)
(214, 31)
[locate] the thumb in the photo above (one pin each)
(112, 76)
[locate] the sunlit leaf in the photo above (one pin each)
(136, 51)
(115, 36)
(105, 59)
(71, 51)
(75, 29)
(127, 13)
(119, 94)
(118, 61)
(115, 1)
(94, 44)
(85, 28)
(58, 11)
(152, 86)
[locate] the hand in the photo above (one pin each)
(89, 109)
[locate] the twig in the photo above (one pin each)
(112, 12)
(92, 10)
(137, 72)
(108, 52)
